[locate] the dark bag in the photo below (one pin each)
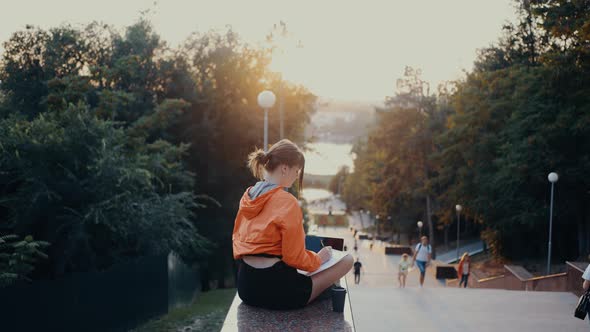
(583, 306)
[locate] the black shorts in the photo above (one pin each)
(277, 287)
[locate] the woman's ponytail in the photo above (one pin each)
(256, 162)
(283, 152)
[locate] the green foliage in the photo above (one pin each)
(18, 257)
(490, 142)
(207, 313)
(337, 181)
(76, 181)
(114, 145)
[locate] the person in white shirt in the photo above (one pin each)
(586, 277)
(404, 266)
(422, 257)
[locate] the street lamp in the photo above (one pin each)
(420, 224)
(392, 230)
(552, 177)
(376, 229)
(361, 214)
(458, 208)
(266, 100)
(370, 221)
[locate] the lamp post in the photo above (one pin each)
(369, 215)
(266, 100)
(458, 208)
(376, 229)
(361, 215)
(389, 220)
(420, 224)
(552, 177)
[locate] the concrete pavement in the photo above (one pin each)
(379, 305)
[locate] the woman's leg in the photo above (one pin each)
(404, 280)
(328, 277)
(399, 278)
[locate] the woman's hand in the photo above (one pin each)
(325, 254)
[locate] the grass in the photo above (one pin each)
(207, 313)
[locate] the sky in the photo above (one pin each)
(349, 50)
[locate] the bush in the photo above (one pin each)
(97, 195)
(17, 258)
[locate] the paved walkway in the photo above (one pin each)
(378, 309)
(378, 269)
(379, 305)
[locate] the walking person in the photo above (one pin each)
(357, 271)
(422, 257)
(269, 240)
(463, 269)
(404, 266)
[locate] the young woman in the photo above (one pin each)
(268, 237)
(463, 269)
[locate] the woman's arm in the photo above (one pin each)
(586, 284)
(293, 242)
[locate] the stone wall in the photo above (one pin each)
(517, 278)
(574, 280)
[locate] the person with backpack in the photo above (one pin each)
(586, 283)
(422, 257)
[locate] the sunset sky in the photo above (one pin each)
(352, 50)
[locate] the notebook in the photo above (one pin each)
(337, 255)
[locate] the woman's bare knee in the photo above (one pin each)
(347, 263)
(326, 278)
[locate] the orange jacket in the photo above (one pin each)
(272, 224)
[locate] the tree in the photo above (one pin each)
(77, 182)
(188, 117)
(337, 181)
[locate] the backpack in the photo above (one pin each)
(420, 247)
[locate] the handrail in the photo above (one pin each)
(548, 276)
(575, 266)
(491, 278)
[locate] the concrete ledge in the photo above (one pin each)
(446, 272)
(519, 272)
(580, 266)
(398, 250)
(574, 277)
(318, 316)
